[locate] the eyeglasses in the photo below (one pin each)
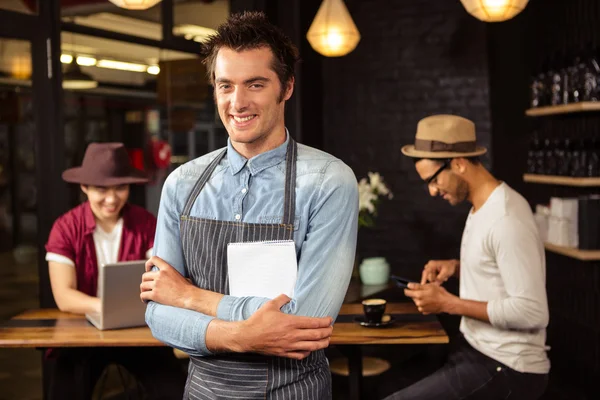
(432, 180)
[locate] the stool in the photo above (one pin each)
(371, 366)
(125, 379)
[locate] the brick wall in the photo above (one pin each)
(415, 58)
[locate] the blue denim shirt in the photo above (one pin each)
(325, 229)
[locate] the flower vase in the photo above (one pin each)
(374, 271)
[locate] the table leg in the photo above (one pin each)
(354, 355)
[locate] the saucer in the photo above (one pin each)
(385, 321)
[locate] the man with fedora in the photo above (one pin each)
(500, 352)
(104, 229)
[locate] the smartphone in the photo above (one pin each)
(401, 282)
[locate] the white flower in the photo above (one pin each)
(365, 196)
(378, 186)
(369, 192)
(375, 180)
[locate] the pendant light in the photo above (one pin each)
(332, 32)
(494, 10)
(74, 78)
(135, 4)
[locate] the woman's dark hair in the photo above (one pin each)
(252, 30)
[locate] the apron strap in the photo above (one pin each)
(289, 203)
(201, 182)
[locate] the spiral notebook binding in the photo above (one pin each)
(267, 242)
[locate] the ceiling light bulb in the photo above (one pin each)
(135, 4)
(333, 32)
(86, 61)
(122, 65)
(494, 10)
(153, 70)
(66, 58)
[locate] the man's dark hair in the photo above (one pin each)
(252, 30)
(473, 160)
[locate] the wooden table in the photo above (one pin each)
(52, 328)
(349, 336)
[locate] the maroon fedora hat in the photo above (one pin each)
(105, 164)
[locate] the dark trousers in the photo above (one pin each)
(75, 371)
(469, 374)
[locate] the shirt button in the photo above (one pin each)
(244, 190)
(237, 217)
(499, 369)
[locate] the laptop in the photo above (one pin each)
(119, 292)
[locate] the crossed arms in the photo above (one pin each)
(201, 322)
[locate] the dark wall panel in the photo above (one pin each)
(415, 58)
(550, 34)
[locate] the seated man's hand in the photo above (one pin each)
(165, 286)
(272, 332)
(438, 271)
(430, 298)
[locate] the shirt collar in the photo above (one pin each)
(259, 162)
(88, 215)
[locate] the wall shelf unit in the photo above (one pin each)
(562, 180)
(584, 255)
(564, 109)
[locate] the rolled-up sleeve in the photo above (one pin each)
(176, 327)
(521, 261)
(326, 254)
(60, 240)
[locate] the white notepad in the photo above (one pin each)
(262, 269)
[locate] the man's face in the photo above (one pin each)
(447, 184)
(247, 93)
(107, 201)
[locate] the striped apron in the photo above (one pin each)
(244, 376)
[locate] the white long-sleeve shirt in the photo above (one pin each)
(502, 262)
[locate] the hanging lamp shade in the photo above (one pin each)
(135, 4)
(332, 32)
(74, 78)
(494, 10)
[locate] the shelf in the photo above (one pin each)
(584, 255)
(561, 180)
(563, 109)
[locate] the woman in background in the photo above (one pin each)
(104, 229)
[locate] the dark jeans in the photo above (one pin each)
(468, 374)
(75, 371)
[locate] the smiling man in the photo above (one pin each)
(262, 187)
(500, 352)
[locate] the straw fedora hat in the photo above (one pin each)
(444, 136)
(105, 164)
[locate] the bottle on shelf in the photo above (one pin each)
(539, 158)
(560, 150)
(593, 160)
(576, 167)
(534, 147)
(550, 164)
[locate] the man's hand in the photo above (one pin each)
(165, 286)
(430, 298)
(438, 271)
(271, 332)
